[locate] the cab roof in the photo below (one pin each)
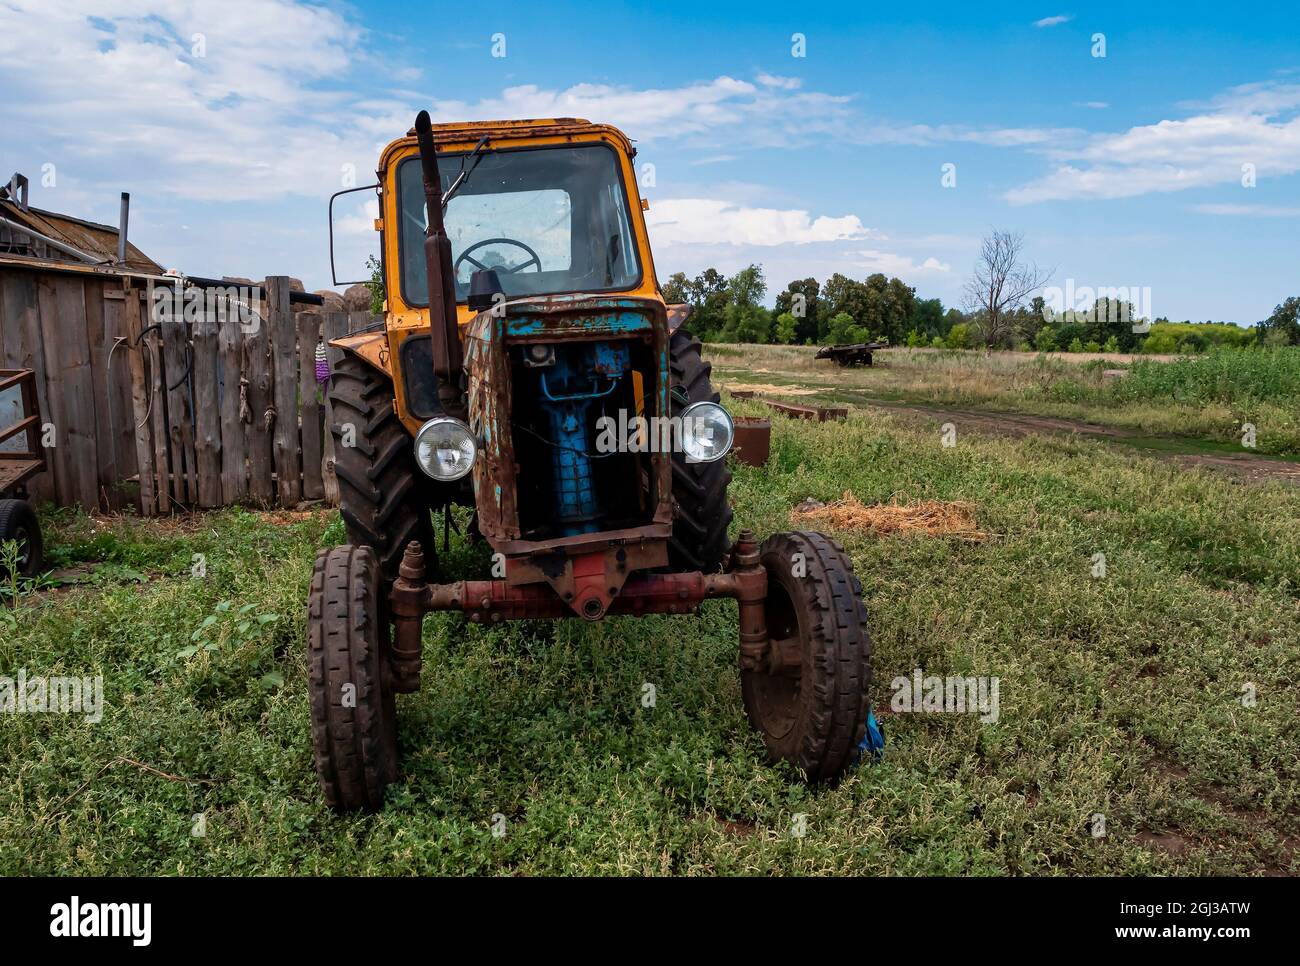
(469, 132)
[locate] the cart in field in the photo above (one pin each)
(854, 354)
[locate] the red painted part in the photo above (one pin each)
(495, 600)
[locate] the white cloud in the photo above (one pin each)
(1257, 124)
(213, 99)
(1055, 21)
(891, 263)
(704, 221)
(1258, 211)
(1093, 105)
(784, 83)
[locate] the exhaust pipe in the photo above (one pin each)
(448, 358)
(121, 228)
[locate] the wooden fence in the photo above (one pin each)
(150, 404)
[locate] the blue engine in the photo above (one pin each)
(583, 373)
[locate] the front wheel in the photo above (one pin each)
(809, 699)
(353, 712)
(18, 523)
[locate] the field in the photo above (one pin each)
(1199, 398)
(1154, 703)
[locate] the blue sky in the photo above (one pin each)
(231, 123)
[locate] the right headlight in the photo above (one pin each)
(707, 432)
(445, 448)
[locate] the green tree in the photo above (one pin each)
(1045, 340)
(787, 328)
(927, 317)
(376, 285)
(959, 336)
(803, 293)
(677, 288)
(844, 329)
(1076, 345)
(1283, 326)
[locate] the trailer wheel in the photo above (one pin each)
(18, 523)
(699, 538)
(353, 712)
(383, 495)
(810, 701)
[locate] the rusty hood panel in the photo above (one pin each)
(560, 318)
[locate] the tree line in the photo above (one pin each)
(1000, 313)
(806, 312)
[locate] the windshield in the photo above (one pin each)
(549, 220)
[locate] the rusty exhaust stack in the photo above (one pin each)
(121, 228)
(448, 360)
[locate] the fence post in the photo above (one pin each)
(288, 463)
(309, 406)
(257, 347)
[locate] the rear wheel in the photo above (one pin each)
(18, 523)
(810, 700)
(699, 539)
(383, 495)
(353, 711)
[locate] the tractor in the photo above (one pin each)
(529, 367)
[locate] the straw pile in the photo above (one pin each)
(931, 518)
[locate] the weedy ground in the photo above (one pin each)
(1127, 696)
(1208, 397)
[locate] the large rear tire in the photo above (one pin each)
(383, 495)
(353, 711)
(810, 702)
(699, 539)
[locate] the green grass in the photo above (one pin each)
(1205, 397)
(1118, 695)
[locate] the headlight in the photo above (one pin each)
(707, 432)
(445, 448)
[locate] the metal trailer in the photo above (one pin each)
(855, 354)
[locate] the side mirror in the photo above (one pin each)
(334, 273)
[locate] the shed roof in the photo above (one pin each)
(98, 241)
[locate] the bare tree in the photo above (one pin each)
(1001, 284)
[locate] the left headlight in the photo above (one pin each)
(445, 448)
(707, 432)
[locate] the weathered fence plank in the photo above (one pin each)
(108, 474)
(309, 406)
(334, 325)
(257, 369)
(207, 410)
(117, 374)
(136, 358)
(288, 463)
(180, 410)
(234, 446)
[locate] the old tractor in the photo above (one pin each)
(523, 315)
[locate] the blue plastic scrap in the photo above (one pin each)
(873, 739)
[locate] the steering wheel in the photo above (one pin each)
(533, 259)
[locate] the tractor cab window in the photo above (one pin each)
(548, 220)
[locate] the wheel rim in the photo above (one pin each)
(776, 693)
